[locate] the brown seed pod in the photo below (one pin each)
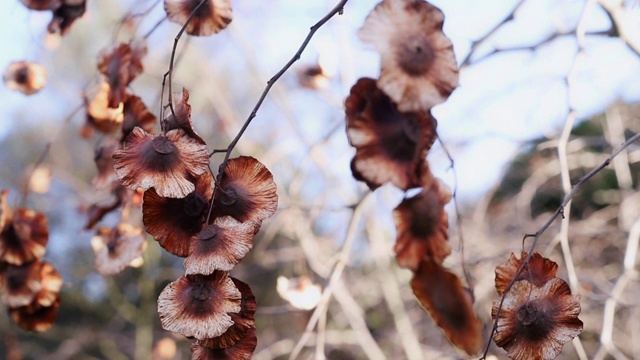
(419, 68)
(390, 145)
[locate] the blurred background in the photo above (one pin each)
(548, 89)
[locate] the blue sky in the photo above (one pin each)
(503, 100)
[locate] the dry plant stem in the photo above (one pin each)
(336, 273)
(355, 317)
(390, 286)
(465, 270)
(623, 22)
(336, 10)
(147, 294)
(607, 346)
(321, 337)
(154, 27)
(173, 54)
(45, 153)
(476, 43)
(559, 211)
(623, 174)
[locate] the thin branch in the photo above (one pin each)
(559, 211)
(477, 43)
(624, 23)
(45, 153)
(465, 270)
(173, 54)
(338, 9)
(336, 273)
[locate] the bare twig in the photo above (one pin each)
(338, 9)
(624, 23)
(336, 273)
(45, 153)
(173, 54)
(536, 236)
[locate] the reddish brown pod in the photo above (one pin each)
(391, 146)
(535, 322)
(120, 65)
(422, 226)
(246, 191)
(210, 18)
(173, 222)
(169, 163)
(538, 271)
(24, 238)
(199, 306)
(419, 68)
(450, 305)
(24, 76)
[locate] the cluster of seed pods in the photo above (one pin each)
(30, 286)
(389, 122)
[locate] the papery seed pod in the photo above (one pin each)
(422, 226)
(20, 283)
(182, 120)
(100, 116)
(116, 248)
(535, 322)
(538, 271)
(242, 350)
(41, 5)
(219, 246)
(242, 320)
(65, 15)
(102, 157)
(24, 76)
(390, 145)
(34, 317)
(247, 191)
(137, 114)
(25, 238)
(120, 65)
(419, 68)
(173, 222)
(168, 163)
(51, 285)
(198, 306)
(211, 17)
(450, 305)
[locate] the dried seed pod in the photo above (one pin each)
(450, 305)
(211, 17)
(198, 306)
(422, 225)
(116, 248)
(34, 317)
(242, 321)
(535, 322)
(247, 191)
(419, 68)
(538, 271)
(24, 76)
(242, 350)
(182, 120)
(120, 65)
(20, 283)
(219, 246)
(390, 145)
(168, 163)
(173, 222)
(25, 238)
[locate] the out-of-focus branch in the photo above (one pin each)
(336, 273)
(623, 22)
